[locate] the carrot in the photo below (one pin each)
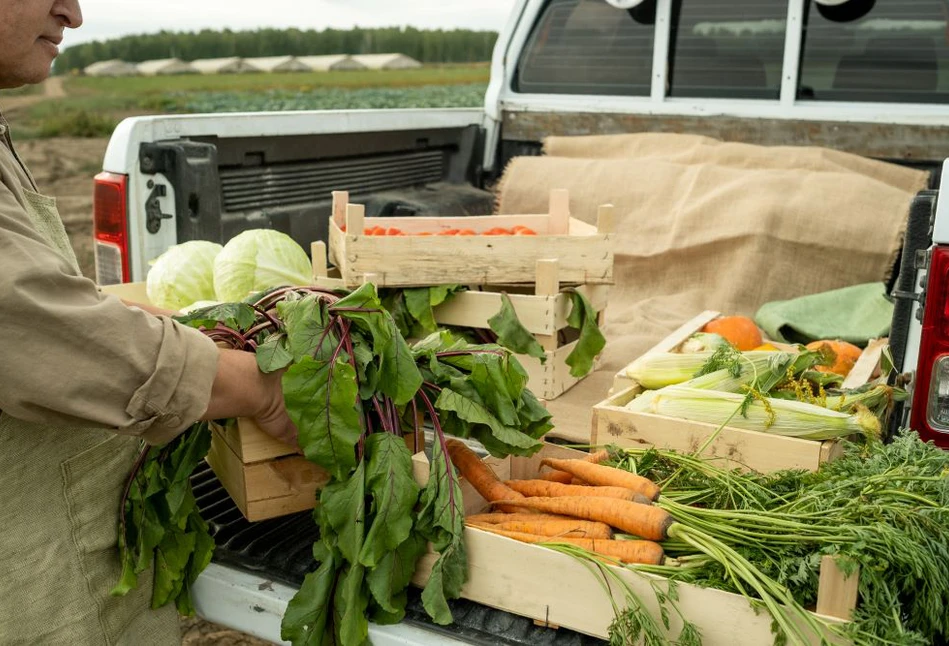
(598, 458)
(526, 232)
(556, 476)
(643, 552)
(448, 232)
(598, 474)
(467, 232)
(569, 527)
(545, 489)
(569, 478)
(424, 233)
(393, 231)
(495, 518)
(478, 474)
(645, 521)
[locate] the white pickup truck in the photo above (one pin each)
(864, 76)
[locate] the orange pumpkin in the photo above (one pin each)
(740, 331)
(845, 355)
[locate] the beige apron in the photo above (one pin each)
(60, 490)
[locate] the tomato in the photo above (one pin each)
(498, 231)
(524, 231)
(448, 232)
(467, 232)
(423, 233)
(392, 231)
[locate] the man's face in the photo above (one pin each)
(30, 33)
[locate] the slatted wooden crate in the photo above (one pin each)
(585, 251)
(265, 478)
(613, 423)
(556, 590)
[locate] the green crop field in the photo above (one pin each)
(93, 107)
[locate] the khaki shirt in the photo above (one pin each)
(84, 379)
(75, 356)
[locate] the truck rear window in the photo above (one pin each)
(589, 47)
(895, 52)
(727, 48)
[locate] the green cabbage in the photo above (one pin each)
(256, 260)
(183, 275)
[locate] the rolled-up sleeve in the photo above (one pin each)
(71, 355)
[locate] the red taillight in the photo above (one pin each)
(930, 412)
(110, 226)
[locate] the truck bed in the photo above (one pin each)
(278, 552)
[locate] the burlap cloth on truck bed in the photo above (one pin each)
(703, 224)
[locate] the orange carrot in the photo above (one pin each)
(645, 521)
(393, 231)
(598, 458)
(643, 552)
(467, 232)
(569, 478)
(478, 474)
(569, 527)
(545, 489)
(448, 232)
(598, 474)
(556, 476)
(499, 517)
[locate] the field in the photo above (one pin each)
(92, 107)
(63, 127)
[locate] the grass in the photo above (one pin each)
(300, 81)
(26, 90)
(94, 106)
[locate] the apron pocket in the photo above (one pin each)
(93, 484)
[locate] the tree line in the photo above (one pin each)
(428, 46)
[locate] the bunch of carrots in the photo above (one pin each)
(580, 502)
(497, 231)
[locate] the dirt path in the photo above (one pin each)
(53, 88)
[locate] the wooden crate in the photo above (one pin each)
(585, 251)
(269, 487)
(669, 344)
(613, 423)
(556, 590)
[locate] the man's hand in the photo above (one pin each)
(241, 390)
(273, 419)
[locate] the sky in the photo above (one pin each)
(112, 18)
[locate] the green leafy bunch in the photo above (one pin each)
(413, 310)
(360, 397)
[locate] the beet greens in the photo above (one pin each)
(361, 396)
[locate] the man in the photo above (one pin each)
(84, 379)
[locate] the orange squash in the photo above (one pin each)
(846, 354)
(740, 331)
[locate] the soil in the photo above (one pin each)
(64, 168)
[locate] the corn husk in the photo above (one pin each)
(767, 415)
(662, 369)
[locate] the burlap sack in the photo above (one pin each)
(695, 232)
(698, 149)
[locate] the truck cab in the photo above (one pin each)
(861, 76)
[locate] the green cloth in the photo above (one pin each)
(855, 314)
